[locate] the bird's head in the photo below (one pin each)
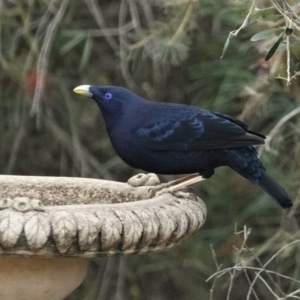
(108, 97)
(113, 101)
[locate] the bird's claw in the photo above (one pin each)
(160, 190)
(179, 185)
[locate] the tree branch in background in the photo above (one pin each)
(42, 63)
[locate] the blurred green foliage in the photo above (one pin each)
(165, 51)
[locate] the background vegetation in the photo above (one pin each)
(164, 50)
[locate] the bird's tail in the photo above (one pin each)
(275, 190)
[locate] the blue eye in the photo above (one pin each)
(108, 96)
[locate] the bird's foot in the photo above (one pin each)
(142, 179)
(175, 187)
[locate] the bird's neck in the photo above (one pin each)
(112, 118)
(123, 117)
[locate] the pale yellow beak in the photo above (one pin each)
(83, 90)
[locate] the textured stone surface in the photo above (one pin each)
(40, 278)
(48, 216)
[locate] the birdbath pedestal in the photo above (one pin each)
(51, 226)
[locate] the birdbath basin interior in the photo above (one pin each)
(50, 226)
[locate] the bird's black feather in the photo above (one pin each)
(168, 138)
(203, 130)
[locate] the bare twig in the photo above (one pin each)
(278, 8)
(291, 295)
(218, 269)
(245, 23)
(123, 46)
(245, 267)
(267, 286)
(95, 10)
(42, 63)
(34, 45)
(288, 60)
(183, 23)
(242, 247)
(276, 128)
(268, 262)
(111, 31)
(262, 268)
(291, 10)
(249, 281)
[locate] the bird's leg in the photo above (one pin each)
(185, 183)
(175, 185)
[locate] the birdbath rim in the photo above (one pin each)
(82, 217)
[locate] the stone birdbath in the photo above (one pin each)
(51, 226)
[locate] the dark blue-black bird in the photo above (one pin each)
(169, 138)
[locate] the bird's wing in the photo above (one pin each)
(201, 131)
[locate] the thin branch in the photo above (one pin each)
(245, 267)
(145, 40)
(277, 127)
(288, 60)
(262, 267)
(246, 21)
(42, 63)
(232, 275)
(111, 31)
(34, 45)
(291, 10)
(122, 40)
(268, 262)
(183, 23)
(218, 269)
(291, 295)
(249, 281)
(97, 14)
(268, 287)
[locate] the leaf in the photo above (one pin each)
(88, 227)
(37, 229)
(111, 230)
(262, 35)
(181, 221)
(72, 43)
(11, 225)
(166, 223)
(132, 229)
(196, 214)
(64, 230)
(87, 50)
(226, 45)
(293, 43)
(274, 47)
(150, 225)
